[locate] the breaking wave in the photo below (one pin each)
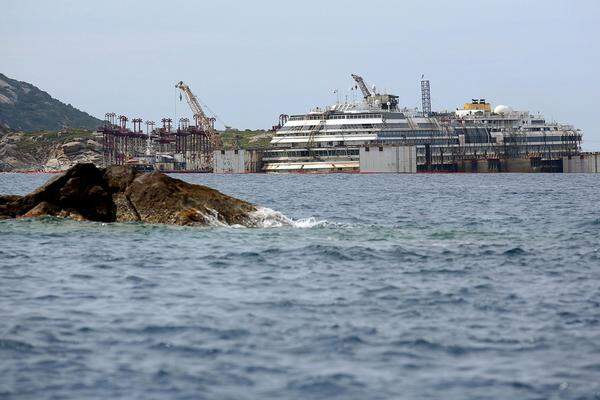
(263, 218)
(267, 218)
(212, 218)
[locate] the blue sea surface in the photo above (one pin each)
(385, 287)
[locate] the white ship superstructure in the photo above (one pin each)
(329, 139)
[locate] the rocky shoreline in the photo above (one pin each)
(123, 194)
(48, 151)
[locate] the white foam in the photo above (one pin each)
(262, 218)
(265, 217)
(212, 218)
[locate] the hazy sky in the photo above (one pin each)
(249, 61)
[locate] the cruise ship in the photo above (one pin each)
(329, 139)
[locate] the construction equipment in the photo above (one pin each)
(425, 96)
(203, 121)
(363, 86)
(375, 99)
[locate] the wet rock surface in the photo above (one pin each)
(122, 194)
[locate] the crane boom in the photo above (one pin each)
(196, 108)
(362, 85)
(201, 119)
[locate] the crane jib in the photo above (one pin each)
(201, 119)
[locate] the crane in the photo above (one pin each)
(363, 86)
(202, 120)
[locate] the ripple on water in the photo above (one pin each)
(7, 345)
(418, 286)
(326, 386)
(515, 251)
(186, 351)
(82, 276)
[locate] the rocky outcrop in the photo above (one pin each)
(122, 194)
(48, 151)
(12, 155)
(79, 151)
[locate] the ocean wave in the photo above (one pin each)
(16, 345)
(515, 251)
(265, 217)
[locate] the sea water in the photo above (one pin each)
(353, 287)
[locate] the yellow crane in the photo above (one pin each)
(202, 121)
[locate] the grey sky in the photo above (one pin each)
(252, 60)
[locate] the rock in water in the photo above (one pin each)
(122, 194)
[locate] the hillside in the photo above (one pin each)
(49, 151)
(24, 107)
(246, 139)
(59, 150)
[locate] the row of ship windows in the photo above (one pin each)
(411, 134)
(327, 133)
(409, 141)
(529, 129)
(420, 124)
(434, 142)
(417, 141)
(401, 125)
(546, 128)
(306, 153)
(470, 137)
(475, 139)
(357, 116)
(396, 135)
(440, 147)
(412, 141)
(320, 117)
(355, 126)
(328, 127)
(421, 151)
(392, 134)
(545, 138)
(504, 121)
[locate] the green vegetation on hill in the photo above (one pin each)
(246, 139)
(33, 142)
(24, 107)
(33, 150)
(42, 149)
